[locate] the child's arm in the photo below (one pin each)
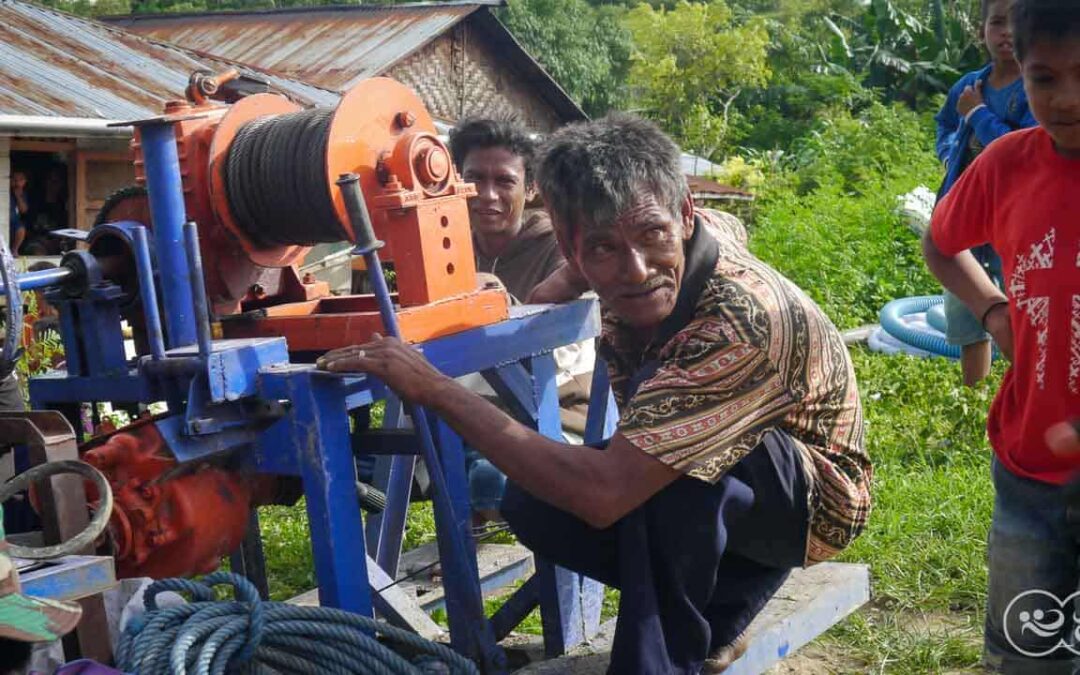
(963, 219)
(948, 119)
(988, 127)
(964, 277)
(948, 122)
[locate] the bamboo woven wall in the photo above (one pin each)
(458, 75)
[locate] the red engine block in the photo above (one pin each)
(169, 520)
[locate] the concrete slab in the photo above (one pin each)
(812, 601)
(499, 565)
(419, 579)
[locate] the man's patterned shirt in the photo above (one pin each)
(757, 355)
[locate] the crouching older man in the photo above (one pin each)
(739, 450)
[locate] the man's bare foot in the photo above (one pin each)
(726, 655)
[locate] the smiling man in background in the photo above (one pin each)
(515, 244)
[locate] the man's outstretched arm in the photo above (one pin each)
(597, 486)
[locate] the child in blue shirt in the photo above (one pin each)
(982, 106)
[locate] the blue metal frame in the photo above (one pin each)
(245, 397)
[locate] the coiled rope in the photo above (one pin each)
(276, 181)
(246, 636)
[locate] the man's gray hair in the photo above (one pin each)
(590, 172)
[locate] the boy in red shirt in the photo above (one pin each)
(1022, 196)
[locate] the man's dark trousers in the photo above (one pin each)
(695, 563)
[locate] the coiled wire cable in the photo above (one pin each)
(276, 181)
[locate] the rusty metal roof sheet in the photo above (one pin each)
(52, 63)
(332, 47)
(706, 188)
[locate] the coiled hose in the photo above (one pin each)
(892, 322)
(93, 529)
(935, 316)
(248, 636)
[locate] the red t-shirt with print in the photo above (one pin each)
(1023, 198)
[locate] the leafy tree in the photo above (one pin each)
(802, 88)
(689, 65)
(585, 48)
(909, 50)
(90, 7)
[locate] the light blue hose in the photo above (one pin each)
(935, 316)
(892, 322)
(248, 636)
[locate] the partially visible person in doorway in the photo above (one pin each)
(50, 214)
(19, 211)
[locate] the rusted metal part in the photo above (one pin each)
(169, 519)
(204, 85)
(53, 63)
(48, 437)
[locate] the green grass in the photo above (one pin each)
(926, 541)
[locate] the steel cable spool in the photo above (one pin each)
(275, 180)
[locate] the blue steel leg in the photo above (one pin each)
(389, 526)
(603, 415)
(320, 427)
(198, 288)
(148, 293)
(470, 632)
(600, 423)
(560, 589)
(380, 478)
(473, 635)
(452, 454)
(166, 193)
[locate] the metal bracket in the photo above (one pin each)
(48, 437)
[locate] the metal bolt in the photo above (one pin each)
(405, 119)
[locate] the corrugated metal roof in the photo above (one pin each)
(52, 63)
(705, 188)
(332, 47)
